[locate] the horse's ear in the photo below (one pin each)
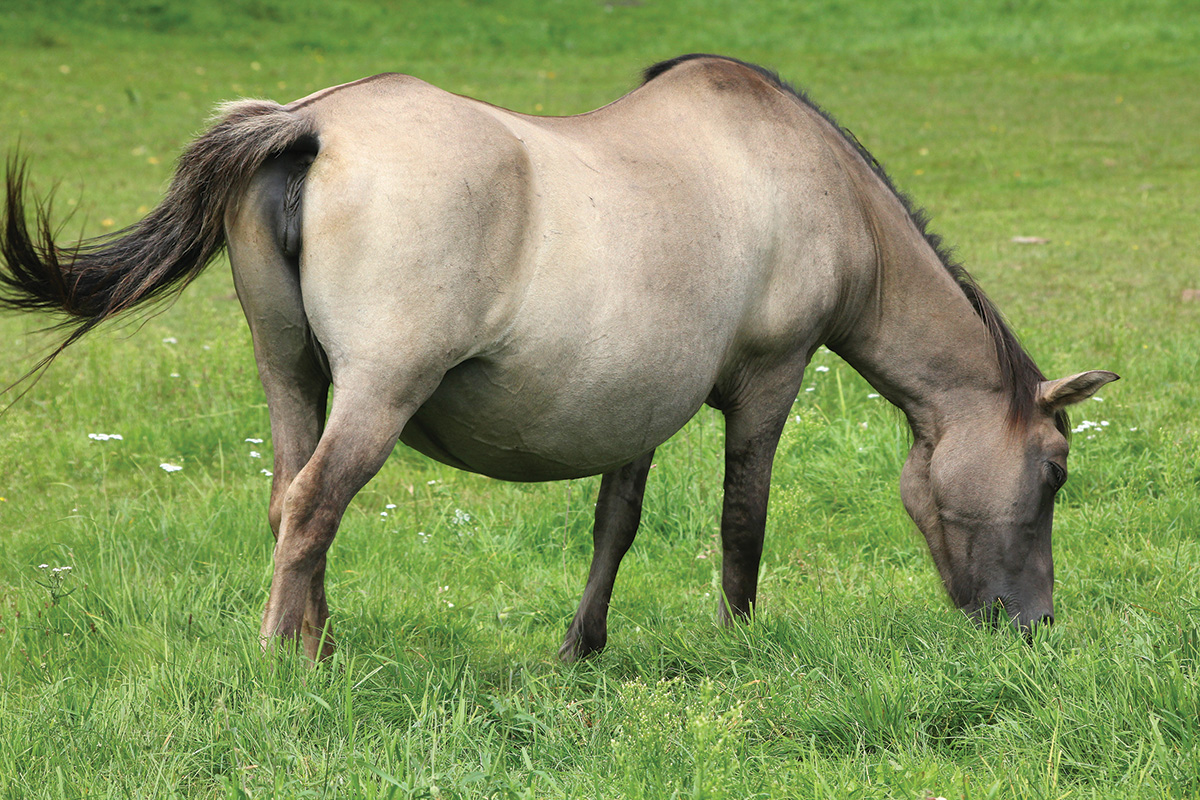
(1054, 395)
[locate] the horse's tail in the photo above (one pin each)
(98, 278)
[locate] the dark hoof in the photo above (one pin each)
(577, 647)
(318, 645)
(727, 616)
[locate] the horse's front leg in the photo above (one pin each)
(752, 430)
(618, 512)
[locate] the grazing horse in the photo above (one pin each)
(541, 298)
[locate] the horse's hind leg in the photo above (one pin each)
(618, 512)
(752, 429)
(293, 378)
(296, 403)
(361, 433)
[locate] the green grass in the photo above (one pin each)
(1072, 121)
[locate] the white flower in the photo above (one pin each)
(822, 368)
(104, 437)
(872, 396)
(811, 389)
(170, 467)
(174, 374)
(383, 513)
(267, 472)
(255, 441)
(390, 505)
(170, 340)
(43, 566)
(255, 454)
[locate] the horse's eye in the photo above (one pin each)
(1058, 475)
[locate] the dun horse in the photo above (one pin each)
(539, 298)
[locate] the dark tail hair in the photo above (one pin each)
(98, 278)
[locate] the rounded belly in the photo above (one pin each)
(531, 425)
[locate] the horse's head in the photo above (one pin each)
(983, 492)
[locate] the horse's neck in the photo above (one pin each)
(913, 334)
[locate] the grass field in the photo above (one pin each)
(138, 672)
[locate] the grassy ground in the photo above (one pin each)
(139, 673)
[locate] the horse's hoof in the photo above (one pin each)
(576, 648)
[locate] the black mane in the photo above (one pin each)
(1020, 374)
